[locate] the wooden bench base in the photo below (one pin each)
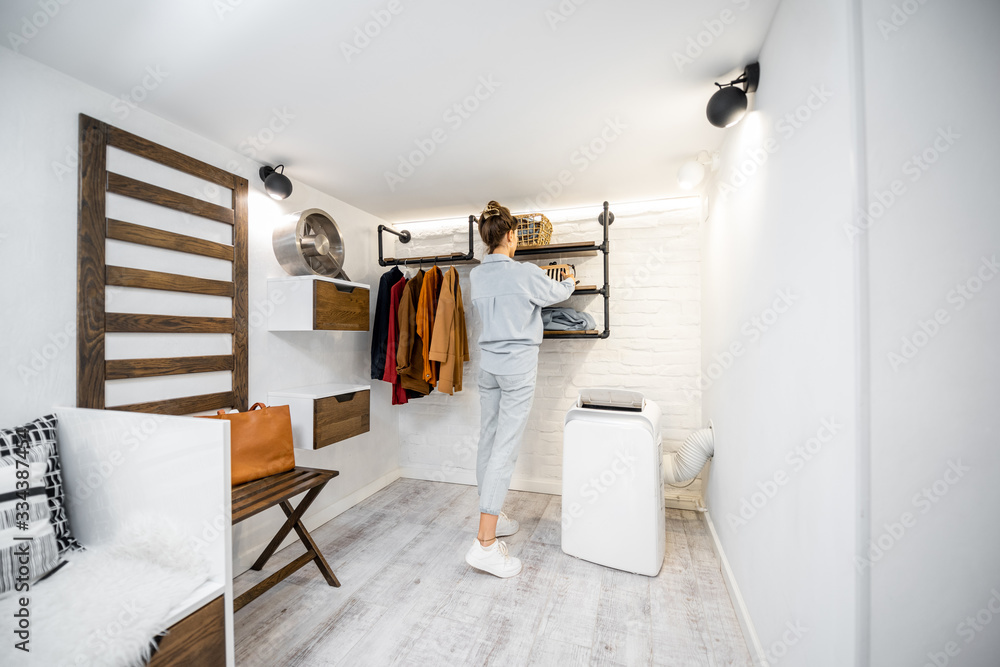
(256, 496)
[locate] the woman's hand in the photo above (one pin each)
(567, 274)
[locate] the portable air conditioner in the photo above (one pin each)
(612, 500)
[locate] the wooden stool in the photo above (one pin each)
(256, 496)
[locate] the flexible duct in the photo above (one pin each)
(687, 462)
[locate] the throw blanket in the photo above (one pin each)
(566, 319)
(106, 606)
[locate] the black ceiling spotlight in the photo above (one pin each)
(276, 183)
(729, 103)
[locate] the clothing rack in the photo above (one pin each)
(405, 237)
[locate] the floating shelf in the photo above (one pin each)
(581, 333)
(586, 249)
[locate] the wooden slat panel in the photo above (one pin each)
(337, 309)
(241, 304)
(138, 323)
(338, 420)
(197, 640)
(120, 369)
(123, 276)
(90, 264)
(131, 143)
(159, 238)
(181, 406)
(130, 187)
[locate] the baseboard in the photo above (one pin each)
(678, 502)
(249, 554)
(552, 487)
(742, 614)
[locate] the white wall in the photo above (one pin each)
(779, 343)
(38, 265)
(653, 348)
(929, 70)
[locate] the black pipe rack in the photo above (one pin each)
(578, 249)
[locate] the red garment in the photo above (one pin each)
(398, 393)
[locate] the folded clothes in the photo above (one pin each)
(566, 319)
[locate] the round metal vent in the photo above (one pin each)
(309, 242)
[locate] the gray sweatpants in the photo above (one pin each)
(506, 403)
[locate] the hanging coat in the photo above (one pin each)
(380, 327)
(426, 310)
(409, 351)
(399, 395)
(449, 341)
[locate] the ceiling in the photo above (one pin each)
(536, 83)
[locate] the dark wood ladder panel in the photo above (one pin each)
(94, 275)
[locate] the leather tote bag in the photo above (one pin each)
(260, 442)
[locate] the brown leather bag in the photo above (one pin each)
(260, 441)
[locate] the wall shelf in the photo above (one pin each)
(323, 414)
(582, 333)
(587, 249)
(315, 303)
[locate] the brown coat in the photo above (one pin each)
(450, 342)
(426, 310)
(409, 350)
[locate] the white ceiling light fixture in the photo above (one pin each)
(692, 172)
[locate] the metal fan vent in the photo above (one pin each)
(309, 242)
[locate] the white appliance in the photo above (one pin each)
(612, 499)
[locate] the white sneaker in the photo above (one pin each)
(506, 526)
(493, 559)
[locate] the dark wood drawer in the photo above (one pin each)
(197, 640)
(340, 307)
(340, 417)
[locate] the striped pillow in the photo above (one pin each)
(28, 549)
(41, 433)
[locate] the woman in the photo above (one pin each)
(508, 296)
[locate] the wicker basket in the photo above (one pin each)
(533, 229)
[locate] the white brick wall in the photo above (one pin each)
(654, 345)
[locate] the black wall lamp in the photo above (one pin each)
(729, 103)
(276, 183)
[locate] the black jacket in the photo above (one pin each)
(380, 328)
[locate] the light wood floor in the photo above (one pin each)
(408, 597)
